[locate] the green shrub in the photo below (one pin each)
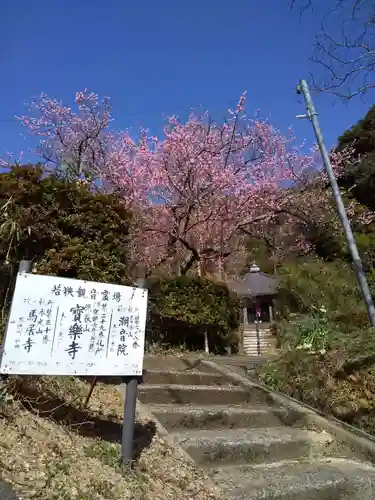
(311, 332)
(328, 360)
(305, 287)
(182, 309)
(63, 227)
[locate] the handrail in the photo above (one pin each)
(258, 337)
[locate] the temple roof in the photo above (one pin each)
(255, 283)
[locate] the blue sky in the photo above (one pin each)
(157, 58)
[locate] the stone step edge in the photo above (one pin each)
(334, 461)
(255, 342)
(184, 373)
(254, 339)
(181, 454)
(258, 435)
(357, 442)
(254, 351)
(292, 477)
(254, 348)
(253, 335)
(246, 409)
(183, 387)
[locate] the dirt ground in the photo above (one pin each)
(52, 448)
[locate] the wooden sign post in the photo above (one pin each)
(131, 383)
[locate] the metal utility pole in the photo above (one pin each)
(303, 88)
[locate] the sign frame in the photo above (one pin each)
(131, 383)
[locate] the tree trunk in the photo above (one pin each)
(199, 268)
(206, 347)
(178, 267)
(221, 268)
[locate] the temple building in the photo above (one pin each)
(258, 292)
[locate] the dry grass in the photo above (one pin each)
(51, 448)
(340, 382)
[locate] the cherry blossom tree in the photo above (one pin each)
(196, 193)
(80, 144)
(217, 184)
(75, 141)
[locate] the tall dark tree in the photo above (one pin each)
(359, 177)
(62, 227)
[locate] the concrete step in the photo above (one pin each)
(254, 446)
(262, 327)
(254, 352)
(191, 377)
(201, 394)
(174, 417)
(255, 347)
(255, 339)
(175, 363)
(253, 334)
(336, 479)
(255, 344)
(241, 360)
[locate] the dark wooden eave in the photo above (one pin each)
(254, 284)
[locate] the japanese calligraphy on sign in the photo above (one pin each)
(60, 326)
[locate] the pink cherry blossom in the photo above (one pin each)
(199, 191)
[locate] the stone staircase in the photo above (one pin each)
(243, 363)
(250, 441)
(257, 339)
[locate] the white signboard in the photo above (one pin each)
(60, 326)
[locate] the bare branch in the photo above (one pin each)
(344, 50)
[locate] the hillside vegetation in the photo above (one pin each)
(328, 346)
